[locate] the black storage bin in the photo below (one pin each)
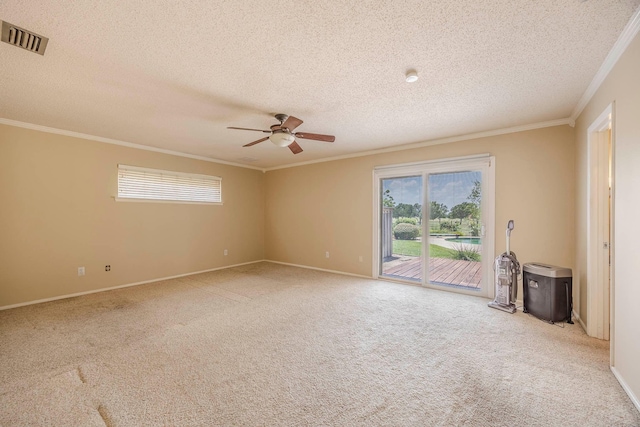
(547, 292)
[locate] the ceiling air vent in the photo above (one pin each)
(22, 38)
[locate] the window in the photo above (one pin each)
(142, 184)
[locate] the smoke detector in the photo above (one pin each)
(411, 76)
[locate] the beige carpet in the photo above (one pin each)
(266, 344)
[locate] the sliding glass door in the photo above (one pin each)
(455, 225)
(401, 224)
(432, 221)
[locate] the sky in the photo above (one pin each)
(450, 188)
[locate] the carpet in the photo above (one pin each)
(272, 345)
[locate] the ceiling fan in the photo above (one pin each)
(282, 134)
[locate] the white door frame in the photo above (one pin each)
(600, 245)
(484, 162)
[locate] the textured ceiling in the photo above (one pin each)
(175, 74)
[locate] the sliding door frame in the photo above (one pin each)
(484, 163)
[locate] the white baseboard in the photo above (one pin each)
(577, 317)
(22, 304)
(626, 388)
(319, 269)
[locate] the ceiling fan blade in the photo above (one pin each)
(291, 123)
(257, 130)
(316, 136)
(295, 148)
(256, 142)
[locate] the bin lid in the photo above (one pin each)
(546, 270)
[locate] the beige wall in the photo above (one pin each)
(621, 86)
(58, 213)
(328, 206)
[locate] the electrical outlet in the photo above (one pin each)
(107, 268)
(226, 252)
(326, 254)
(80, 271)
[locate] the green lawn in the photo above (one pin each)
(414, 248)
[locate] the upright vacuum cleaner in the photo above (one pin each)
(507, 269)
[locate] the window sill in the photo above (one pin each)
(176, 202)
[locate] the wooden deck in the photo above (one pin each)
(442, 271)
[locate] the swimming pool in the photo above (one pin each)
(470, 240)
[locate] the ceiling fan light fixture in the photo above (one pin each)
(281, 139)
(281, 134)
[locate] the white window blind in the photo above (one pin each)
(135, 183)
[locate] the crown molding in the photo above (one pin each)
(495, 132)
(626, 37)
(56, 131)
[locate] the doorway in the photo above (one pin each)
(433, 223)
(599, 226)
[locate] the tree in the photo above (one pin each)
(476, 194)
(438, 210)
(418, 209)
(387, 199)
(464, 210)
(407, 210)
